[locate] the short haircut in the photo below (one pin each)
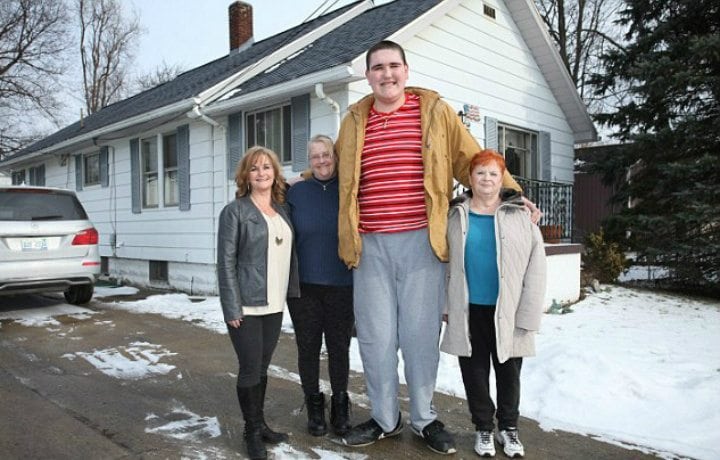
(485, 157)
(322, 139)
(384, 45)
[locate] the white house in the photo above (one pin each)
(154, 170)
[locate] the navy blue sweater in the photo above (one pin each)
(314, 214)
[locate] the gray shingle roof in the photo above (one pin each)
(185, 86)
(345, 43)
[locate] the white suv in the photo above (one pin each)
(47, 243)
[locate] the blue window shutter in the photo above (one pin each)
(183, 158)
(104, 177)
(491, 133)
(545, 156)
(78, 172)
(40, 175)
(32, 176)
(300, 107)
(135, 191)
(234, 143)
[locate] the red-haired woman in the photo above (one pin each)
(496, 289)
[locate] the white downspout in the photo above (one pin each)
(196, 113)
(334, 106)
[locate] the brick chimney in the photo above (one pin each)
(241, 25)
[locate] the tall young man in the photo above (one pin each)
(399, 149)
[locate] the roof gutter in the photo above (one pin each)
(92, 136)
(292, 87)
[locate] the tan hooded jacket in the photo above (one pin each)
(447, 148)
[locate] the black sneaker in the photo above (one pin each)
(437, 438)
(370, 432)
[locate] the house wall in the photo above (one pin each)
(472, 59)
(563, 277)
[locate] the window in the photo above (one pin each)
(18, 177)
(170, 168)
(519, 147)
(271, 129)
(91, 168)
(149, 161)
(37, 175)
(158, 270)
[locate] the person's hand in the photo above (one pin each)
(294, 180)
(535, 213)
(236, 323)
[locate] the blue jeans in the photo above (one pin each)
(398, 293)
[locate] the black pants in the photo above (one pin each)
(254, 342)
(322, 310)
(476, 375)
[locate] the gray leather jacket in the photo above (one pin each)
(242, 258)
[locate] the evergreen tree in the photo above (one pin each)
(669, 121)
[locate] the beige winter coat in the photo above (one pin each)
(522, 271)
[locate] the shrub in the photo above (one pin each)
(602, 259)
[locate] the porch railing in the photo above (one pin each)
(555, 200)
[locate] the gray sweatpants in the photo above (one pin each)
(399, 285)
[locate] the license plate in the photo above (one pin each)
(34, 244)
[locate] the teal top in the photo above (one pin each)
(481, 260)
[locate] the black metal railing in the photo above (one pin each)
(554, 199)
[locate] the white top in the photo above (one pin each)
(278, 266)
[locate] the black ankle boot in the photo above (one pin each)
(249, 398)
(340, 413)
(316, 414)
(268, 435)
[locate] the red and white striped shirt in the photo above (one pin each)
(392, 195)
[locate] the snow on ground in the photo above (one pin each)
(136, 361)
(630, 367)
(45, 316)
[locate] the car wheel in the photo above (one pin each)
(78, 295)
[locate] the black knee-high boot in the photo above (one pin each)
(268, 435)
(250, 404)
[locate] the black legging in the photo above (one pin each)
(476, 375)
(322, 310)
(254, 342)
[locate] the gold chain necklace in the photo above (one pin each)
(278, 238)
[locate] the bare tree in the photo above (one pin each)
(163, 73)
(582, 30)
(33, 34)
(108, 38)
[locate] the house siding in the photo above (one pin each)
(471, 59)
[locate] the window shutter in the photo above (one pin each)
(234, 143)
(78, 172)
(300, 107)
(104, 176)
(491, 133)
(183, 158)
(32, 176)
(41, 175)
(545, 156)
(135, 191)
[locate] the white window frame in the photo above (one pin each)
(284, 152)
(528, 154)
(147, 174)
(86, 176)
(167, 173)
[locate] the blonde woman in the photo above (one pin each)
(257, 271)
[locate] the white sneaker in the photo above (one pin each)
(484, 444)
(511, 442)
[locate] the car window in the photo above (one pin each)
(34, 204)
